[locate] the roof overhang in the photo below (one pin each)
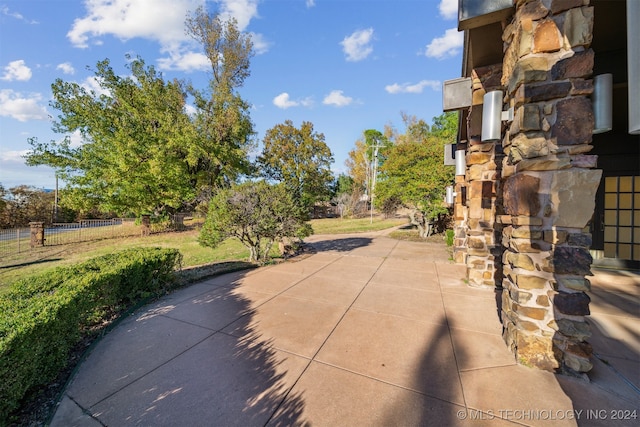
(478, 13)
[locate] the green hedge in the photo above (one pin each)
(42, 317)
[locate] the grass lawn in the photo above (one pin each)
(357, 225)
(42, 259)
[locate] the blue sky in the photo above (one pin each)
(344, 65)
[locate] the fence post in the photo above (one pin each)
(37, 234)
(179, 223)
(146, 225)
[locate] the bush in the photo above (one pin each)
(42, 317)
(449, 236)
(258, 215)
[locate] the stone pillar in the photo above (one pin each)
(549, 184)
(37, 234)
(460, 213)
(146, 225)
(482, 181)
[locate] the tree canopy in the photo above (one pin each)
(414, 172)
(300, 159)
(134, 136)
(23, 204)
(360, 162)
(224, 129)
(256, 213)
(141, 152)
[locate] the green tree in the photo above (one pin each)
(141, 151)
(23, 204)
(300, 159)
(414, 172)
(343, 184)
(367, 157)
(3, 203)
(257, 214)
(358, 165)
(224, 130)
(132, 156)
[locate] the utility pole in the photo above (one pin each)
(374, 176)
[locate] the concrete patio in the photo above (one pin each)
(366, 331)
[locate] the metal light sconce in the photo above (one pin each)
(461, 162)
(493, 116)
(450, 195)
(602, 103)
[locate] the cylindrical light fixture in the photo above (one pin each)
(461, 162)
(449, 198)
(602, 103)
(492, 116)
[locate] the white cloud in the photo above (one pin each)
(243, 10)
(446, 46)
(66, 68)
(161, 21)
(93, 84)
(75, 139)
(448, 9)
(337, 98)
(310, 3)
(357, 46)
(5, 11)
(413, 88)
(182, 60)
(260, 44)
(190, 110)
(13, 156)
(284, 101)
(16, 70)
(22, 108)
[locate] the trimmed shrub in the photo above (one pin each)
(449, 236)
(42, 317)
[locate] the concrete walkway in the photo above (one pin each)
(367, 331)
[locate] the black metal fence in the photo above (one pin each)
(18, 240)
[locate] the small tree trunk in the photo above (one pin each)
(253, 254)
(418, 219)
(426, 230)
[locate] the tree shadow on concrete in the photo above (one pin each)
(173, 364)
(614, 388)
(340, 245)
(437, 394)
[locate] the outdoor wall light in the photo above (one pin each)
(450, 195)
(493, 116)
(461, 162)
(602, 103)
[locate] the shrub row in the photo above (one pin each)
(42, 317)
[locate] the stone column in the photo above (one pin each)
(482, 182)
(460, 213)
(146, 225)
(549, 184)
(37, 234)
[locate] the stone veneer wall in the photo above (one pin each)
(478, 235)
(460, 214)
(549, 183)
